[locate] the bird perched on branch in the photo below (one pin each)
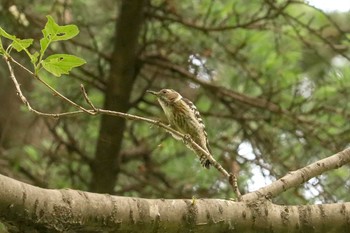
(183, 116)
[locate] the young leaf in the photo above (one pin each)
(17, 44)
(20, 45)
(6, 35)
(59, 64)
(34, 57)
(53, 32)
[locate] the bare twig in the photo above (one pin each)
(87, 99)
(24, 99)
(48, 86)
(94, 111)
(199, 150)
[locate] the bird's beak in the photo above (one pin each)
(152, 92)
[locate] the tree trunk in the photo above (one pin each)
(121, 79)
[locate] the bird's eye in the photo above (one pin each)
(164, 91)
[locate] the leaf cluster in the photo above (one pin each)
(56, 64)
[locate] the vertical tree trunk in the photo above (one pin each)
(121, 79)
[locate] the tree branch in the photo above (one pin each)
(176, 134)
(300, 176)
(34, 209)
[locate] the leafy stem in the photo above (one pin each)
(56, 64)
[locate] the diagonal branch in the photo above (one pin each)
(295, 178)
(95, 111)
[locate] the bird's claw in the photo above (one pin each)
(186, 138)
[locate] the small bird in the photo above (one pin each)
(183, 116)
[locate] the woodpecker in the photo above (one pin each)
(183, 116)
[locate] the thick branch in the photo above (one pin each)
(37, 210)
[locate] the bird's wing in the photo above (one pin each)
(199, 118)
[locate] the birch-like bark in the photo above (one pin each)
(33, 209)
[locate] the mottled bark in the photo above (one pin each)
(33, 209)
(121, 79)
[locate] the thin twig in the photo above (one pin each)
(199, 150)
(51, 88)
(24, 99)
(187, 140)
(87, 99)
(94, 111)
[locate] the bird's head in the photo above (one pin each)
(166, 96)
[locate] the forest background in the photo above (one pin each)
(270, 78)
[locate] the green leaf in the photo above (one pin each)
(59, 64)
(34, 57)
(20, 45)
(54, 32)
(6, 35)
(17, 44)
